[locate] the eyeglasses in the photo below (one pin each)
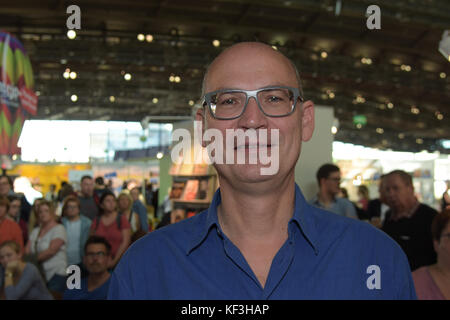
(100, 254)
(228, 104)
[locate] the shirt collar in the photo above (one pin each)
(303, 218)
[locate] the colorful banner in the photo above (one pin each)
(17, 97)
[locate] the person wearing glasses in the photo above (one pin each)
(97, 258)
(260, 239)
(329, 180)
(78, 229)
(433, 282)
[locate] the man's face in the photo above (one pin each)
(96, 258)
(251, 67)
(332, 183)
(87, 187)
(398, 194)
(14, 208)
(134, 194)
(4, 186)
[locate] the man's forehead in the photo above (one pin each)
(248, 60)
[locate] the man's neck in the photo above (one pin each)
(95, 280)
(74, 218)
(257, 216)
(325, 198)
(408, 211)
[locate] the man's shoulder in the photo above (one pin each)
(179, 234)
(427, 210)
(332, 227)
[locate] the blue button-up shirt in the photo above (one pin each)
(326, 256)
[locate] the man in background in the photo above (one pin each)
(97, 256)
(329, 180)
(88, 201)
(408, 221)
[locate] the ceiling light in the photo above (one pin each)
(191, 102)
(439, 116)
(74, 98)
(324, 54)
(442, 75)
(66, 75)
(334, 129)
(127, 76)
(140, 37)
(171, 78)
(216, 43)
(177, 79)
(149, 38)
(112, 98)
(419, 141)
(155, 100)
(359, 125)
(159, 155)
(390, 105)
(415, 110)
(71, 34)
(73, 75)
(331, 95)
(380, 130)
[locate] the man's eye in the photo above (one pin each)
(227, 101)
(275, 99)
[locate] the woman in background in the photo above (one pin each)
(113, 226)
(48, 242)
(77, 229)
(433, 282)
(22, 281)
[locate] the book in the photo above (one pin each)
(191, 189)
(202, 189)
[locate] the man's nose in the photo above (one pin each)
(253, 117)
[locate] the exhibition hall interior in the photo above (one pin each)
(94, 96)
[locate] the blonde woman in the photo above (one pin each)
(48, 242)
(125, 204)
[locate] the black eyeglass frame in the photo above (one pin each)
(251, 94)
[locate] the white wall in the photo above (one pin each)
(315, 152)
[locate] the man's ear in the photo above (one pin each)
(307, 120)
(200, 118)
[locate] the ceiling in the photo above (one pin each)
(405, 111)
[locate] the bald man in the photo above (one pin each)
(260, 239)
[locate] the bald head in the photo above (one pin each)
(249, 50)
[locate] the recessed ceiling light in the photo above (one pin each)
(71, 34)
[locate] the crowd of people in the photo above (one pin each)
(90, 228)
(93, 228)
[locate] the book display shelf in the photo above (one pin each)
(198, 183)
